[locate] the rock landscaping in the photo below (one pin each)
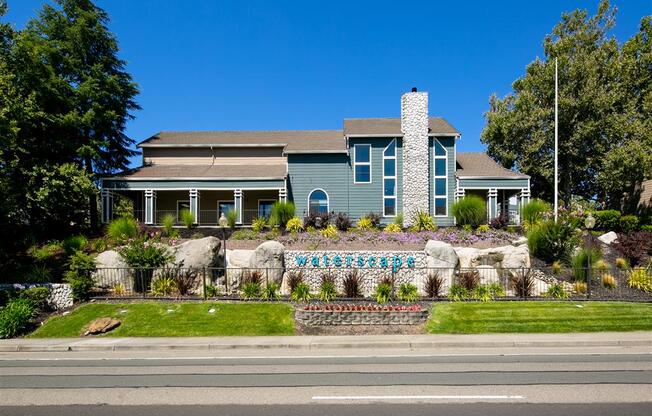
(357, 314)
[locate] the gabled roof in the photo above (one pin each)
(479, 164)
(219, 172)
(293, 141)
(392, 127)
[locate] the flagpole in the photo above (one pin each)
(556, 144)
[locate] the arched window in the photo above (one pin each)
(318, 202)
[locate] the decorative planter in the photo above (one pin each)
(360, 317)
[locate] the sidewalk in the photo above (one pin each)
(597, 339)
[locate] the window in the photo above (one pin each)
(441, 179)
(318, 202)
(362, 163)
(182, 206)
(223, 207)
(265, 207)
(389, 180)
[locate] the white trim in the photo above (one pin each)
(395, 178)
(234, 144)
(177, 207)
(492, 187)
(328, 199)
(387, 135)
(299, 152)
(362, 163)
(492, 177)
(435, 197)
(204, 178)
(264, 200)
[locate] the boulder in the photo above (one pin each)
(515, 257)
(197, 254)
(101, 326)
(488, 275)
(112, 270)
(236, 261)
(268, 258)
(520, 241)
(441, 256)
(608, 238)
(467, 256)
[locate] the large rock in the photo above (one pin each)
(608, 238)
(102, 325)
(236, 261)
(468, 256)
(197, 254)
(488, 275)
(443, 260)
(268, 258)
(112, 270)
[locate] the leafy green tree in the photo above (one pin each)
(604, 111)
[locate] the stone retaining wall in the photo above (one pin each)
(313, 318)
(60, 293)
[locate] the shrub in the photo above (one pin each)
(483, 228)
(74, 243)
(352, 283)
(124, 207)
(293, 279)
(601, 266)
(188, 218)
(316, 221)
(122, 229)
(608, 281)
(628, 223)
(15, 317)
(398, 219)
(458, 293)
(329, 232)
(622, 264)
(342, 221)
(212, 291)
(434, 285)
(258, 224)
(364, 223)
(470, 210)
(393, 228)
(635, 247)
(408, 292)
(422, 221)
(375, 219)
(118, 289)
(168, 224)
(39, 273)
(294, 225)
(282, 212)
(607, 220)
(522, 284)
(327, 290)
(47, 251)
(301, 293)
(251, 290)
(579, 287)
(163, 286)
(556, 291)
(551, 241)
(80, 275)
(469, 279)
(534, 211)
(270, 291)
(231, 217)
(184, 280)
(98, 245)
(647, 228)
(500, 222)
(143, 254)
(640, 279)
(383, 292)
(38, 296)
(485, 293)
(582, 260)
(556, 267)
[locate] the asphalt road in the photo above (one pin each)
(328, 383)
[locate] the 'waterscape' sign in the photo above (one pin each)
(394, 262)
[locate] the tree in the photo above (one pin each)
(603, 109)
(74, 41)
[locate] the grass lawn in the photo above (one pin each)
(166, 319)
(529, 317)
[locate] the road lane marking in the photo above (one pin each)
(429, 397)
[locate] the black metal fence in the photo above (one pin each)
(480, 283)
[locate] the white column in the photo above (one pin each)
(459, 193)
(150, 206)
(282, 195)
(524, 198)
(237, 203)
(493, 199)
(194, 204)
(107, 206)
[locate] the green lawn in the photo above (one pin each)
(529, 317)
(157, 319)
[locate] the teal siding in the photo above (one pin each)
(486, 183)
(449, 145)
(180, 184)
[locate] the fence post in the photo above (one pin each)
(523, 284)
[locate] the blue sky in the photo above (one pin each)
(240, 65)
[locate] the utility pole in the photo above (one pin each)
(556, 144)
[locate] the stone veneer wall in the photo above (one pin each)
(414, 125)
(60, 293)
(370, 275)
(360, 317)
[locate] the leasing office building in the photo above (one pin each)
(381, 165)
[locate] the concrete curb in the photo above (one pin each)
(412, 342)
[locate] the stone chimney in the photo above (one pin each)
(416, 169)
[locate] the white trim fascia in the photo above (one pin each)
(394, 135)
(492, 187)
(308, 152)
(328, 199)
(493, 177)
(160, 178)
(455, 135)
(363, 164)
(395, 177)
(234, 144)
(435, 197)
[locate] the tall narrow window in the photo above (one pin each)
(318, 202)
(441, 179)
(361, 163)
(389, 179)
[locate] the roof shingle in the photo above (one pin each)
(207, 172)
(392, 126)
(479, 164)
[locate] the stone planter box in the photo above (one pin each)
(314, 318)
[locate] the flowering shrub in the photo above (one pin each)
(294, 225)
(364, 223)
(329, 232)
(259, 224)
(349, 307)
(393, 228)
